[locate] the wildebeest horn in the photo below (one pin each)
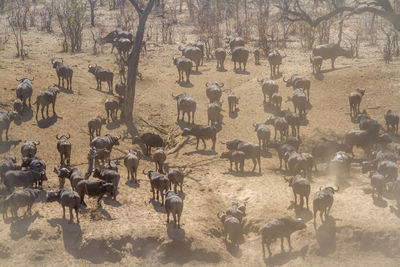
(254, 124)
(144, 172)
(286, 179)
(17, 79)
(118, 137)
(57, 136)
(52, 61)
(336, 189)
(36, 142)
(68, 136)
(173, 95)
(89, 66)
(284, 56)
(62, 60)
(320, 188)
(284, 79)
(220, 85)
(33, 78)
(207, 84)
(224, 143)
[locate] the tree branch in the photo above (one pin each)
(138, 9)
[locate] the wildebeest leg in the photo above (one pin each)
(58, 81)
(197, 143)
(282, 244)
(193, 117)
(167, 216)
(234, 65)
(333, 62)
(295, 198)
(254, 164)
(244, 66)
(42, 111)
(158, 195)
(77, 217)
(54, 111)
(321, 214)
(204, 143)
(98, 201)
(63, 82)
(174, 215)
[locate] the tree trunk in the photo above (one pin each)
(133, 63)
(92, 6)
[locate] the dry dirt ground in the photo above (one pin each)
(133, 229)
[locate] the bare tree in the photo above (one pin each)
(133, 58)
(15, 19)
(92, 4)
(294, 10)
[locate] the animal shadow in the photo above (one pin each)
(64, 90)
(330, 70)
(113, 125)
(222, 70)
(5, 146)
(196, 72)
(379, 202)
(27, 115)
(72, 235)
(234, 115)
(112, 202)
(285, 257)
(243, 174)
(201, 152)
(266, 154)
(269, 108)
(326, 237)
(319, 76)
(242, 72)
(47, 122)
(157, 205)
(278, 76)
(19, 227)
(176, 234)
(234, 249)
(132, 184)
(99, 213)
(185, 84)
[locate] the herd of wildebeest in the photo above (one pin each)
(370, 136)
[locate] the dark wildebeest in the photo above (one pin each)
(64, 148)
(24, 90)
(184, 65)
(102, 75)
(331, 51)
(5, 120)
(275, 60)
(192, 53)
(63, 72)
(44, 99)
(240, 55)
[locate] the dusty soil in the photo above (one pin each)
(133, 229)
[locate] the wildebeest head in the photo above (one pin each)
(242, 208)
(148, 173)
(289, 180)
(56, 63)
(330, 189)
(96, 172)
(178, 97)
(219, 84)
(92, 69)
(289, 82)
(65, 137)
(63, 172)
(186, 132)
(299, 224)
(110, 37)
(232, 145)
(170, 193)
(53, 195)
(25, 80)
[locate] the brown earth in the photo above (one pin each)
(133, 230)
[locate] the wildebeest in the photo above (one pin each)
(322, 202)
(237, 210)
(158, 182)
(93, 188)
(275, 60)
(192, 53)
(94, 126)
(74, 176)
(220, 55)
(120, 89)
(44, 99)
(107, 141)
(149, 140)
(237, 157)
(294, 120)
(96, 155)
(184, 65)
(175, 177)
(235, 42)
(131, 162)
(102, 75)
(240, 55)
(280, 124)
(232, 227)
(123, 45)
(251, 151)
(263, 135)
(279, 228)
(233, 100)
(63, 72)
(18, 106)
(316, 62)
(19, 199)
(202, 132)
(19, 178)
(201, 47)
(276, 101)
(268, 87)
(159, 158)
(299, 100)
(24, 90)
(298, 162)
(5, 120)
(111, 107)
(66, 197)
(214, 91)
(8, 164)
(64, 148)
(117, 34)
(297, 82)
(214, 113)
(341, 163)
(330, 51)
(109, 176)
(392, 121)
(186, 105)
(301, 187)
(355, 100)
(29, 149)
(325, 149)
(174, 205)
